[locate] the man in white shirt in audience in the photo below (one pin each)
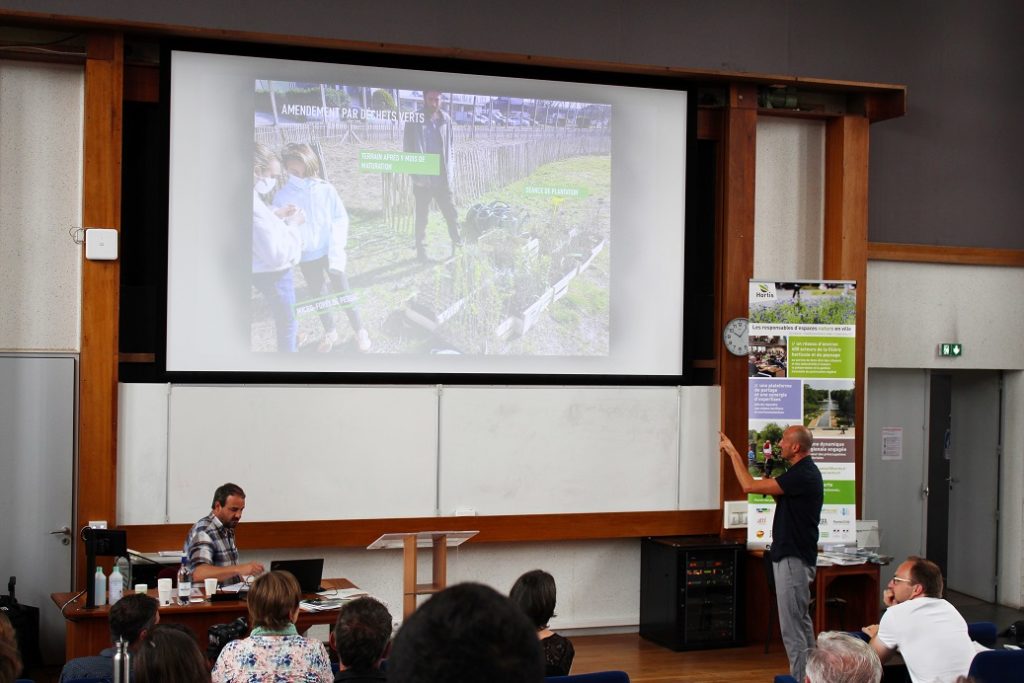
(926, 630)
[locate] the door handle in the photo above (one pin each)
(65, 532)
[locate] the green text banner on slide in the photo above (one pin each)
(801, 371)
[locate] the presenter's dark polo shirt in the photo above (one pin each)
(797, 513)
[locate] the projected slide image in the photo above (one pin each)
(429, 222)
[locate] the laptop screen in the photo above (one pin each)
(307, 572)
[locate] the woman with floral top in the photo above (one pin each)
(274, 652)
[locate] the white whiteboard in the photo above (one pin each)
(361, 452)
(301, 453)
(533, 450)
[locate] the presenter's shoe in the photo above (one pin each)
(363, 340)
(328, 342)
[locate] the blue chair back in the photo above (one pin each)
(785, 678)
(997, 666)
(596, 677)
(983, 633)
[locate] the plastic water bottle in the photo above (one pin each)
(100, 586)
(116, 584)
(184, 582)
(125, 567)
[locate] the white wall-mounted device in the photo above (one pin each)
(100, 244)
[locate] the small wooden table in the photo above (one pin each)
(88, 630)
(859, 585)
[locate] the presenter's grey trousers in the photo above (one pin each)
(793, 593)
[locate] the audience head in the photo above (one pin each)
(132, 616)
(534, 593)
(925, 574)
(10, 660)
(466, 633)
(361, 634)
(274, 600)
(170, 653)
(842, 658)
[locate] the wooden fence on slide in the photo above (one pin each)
(486, 158)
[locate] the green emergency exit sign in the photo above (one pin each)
(954, 349)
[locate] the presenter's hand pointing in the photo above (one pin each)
(725, 445)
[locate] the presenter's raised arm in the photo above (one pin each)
(739, 465)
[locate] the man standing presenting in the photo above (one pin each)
(798, 494)
(434, 135)
(210, 545)
(928, 631)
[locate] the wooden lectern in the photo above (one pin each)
(438, 541)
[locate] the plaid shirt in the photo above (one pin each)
(210, 542)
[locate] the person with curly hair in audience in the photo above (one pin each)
(361, 638)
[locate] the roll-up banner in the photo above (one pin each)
(801, 370)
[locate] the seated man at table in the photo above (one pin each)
(131, 618)
(361, 638)
(928, 631)
(210, 545)
(467, 632)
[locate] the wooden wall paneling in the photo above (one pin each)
(359, 533)
(928, 253)
(846, 239)
(96, 473)
(142, 83)
(736, 262)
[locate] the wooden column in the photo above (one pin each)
(736, 262)
(846, 239)
(96, 474)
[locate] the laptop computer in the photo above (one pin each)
(307, 572)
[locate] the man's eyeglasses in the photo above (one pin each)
(899, 579)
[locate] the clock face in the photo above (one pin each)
(734, 336)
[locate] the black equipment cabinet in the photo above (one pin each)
(691, 592)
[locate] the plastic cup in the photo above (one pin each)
(211, 587)
(165, 595)
(164, 583)
(141, 588)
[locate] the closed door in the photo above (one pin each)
(894, 487)
(974, 441)
(37, 426)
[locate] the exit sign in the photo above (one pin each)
(954, 349)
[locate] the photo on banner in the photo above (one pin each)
(801, 370)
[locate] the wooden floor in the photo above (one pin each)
(646, 662)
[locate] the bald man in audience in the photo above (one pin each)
(841, 658)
